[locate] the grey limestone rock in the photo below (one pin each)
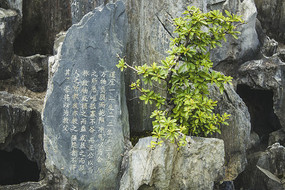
(21, 126)
(277, 137)
(9, 25)
(81, 7)
(254, 140)
(85, 115)
(266, 74)
(31, 72)
(196, 166)
(272, 160)
(16, 5)
(14, 117)
(237, 134)
(271, 14)
(269, 48)
(247, 44)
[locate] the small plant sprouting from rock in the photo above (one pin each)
(185, 75)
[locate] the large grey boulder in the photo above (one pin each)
(21, 126)
(237, 134)
(271, 14)
(272, 160)
(247, 45)
(9, 23)
(31, 72)
(150, 44)
(266, 74)
(85, 115)
(195, 166)
(14, 117)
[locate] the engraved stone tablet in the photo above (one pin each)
(85, 115)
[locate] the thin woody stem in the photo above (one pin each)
(131, 67)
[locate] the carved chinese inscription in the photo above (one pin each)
(85, 115)
(88, 117)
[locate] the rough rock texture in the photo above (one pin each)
(247, 45)
(196, 166)
(31, 72)
(281, 53)
(237, 135)
(266, 74)
(12, 4)
(9, 24)
(81, 7)
(21, 126)
(273, 160)
(85, 103)
(149, 44)
(277, 137)
(51, 181)
(42, 20)
(271, 14)
(269, 48)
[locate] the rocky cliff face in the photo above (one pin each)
(28, 29)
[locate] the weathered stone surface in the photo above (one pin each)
(266, 74)
(9, 23)
(85, 115)
(237, 135)
(31, 72)
(21, 127)
(12, 4)
(42, 20)
(269, 47)
(14, 119)
(226, 185)
(281, 53)
(81, 7)
(273, 160)
(196, 166)
(54, 180)
(149, 44)
(277, 137)
(254, 140)
(247, 45)
(271, 14)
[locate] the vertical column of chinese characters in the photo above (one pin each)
(66, 104)
(84, 100)
(92, 122)
(111, 108)
(101, 116)
(74, 121)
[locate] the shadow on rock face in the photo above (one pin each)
(15, 168)
(260, 105)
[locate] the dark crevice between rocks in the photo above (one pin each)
(16, 168)
(146, 187)
(226, 185)
(41, 21)
(135, 136)
(260, 106)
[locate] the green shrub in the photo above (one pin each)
(186, 75)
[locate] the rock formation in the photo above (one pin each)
(166, 167)
(29, 55)
(85, 116)
(10, 23)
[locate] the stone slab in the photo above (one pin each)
(85, 116)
